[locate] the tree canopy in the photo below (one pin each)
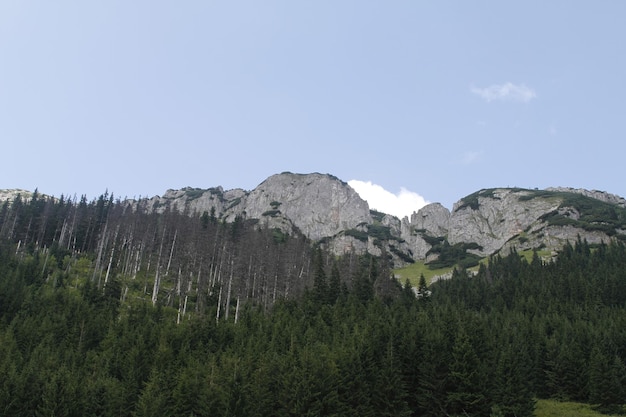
(288, 330)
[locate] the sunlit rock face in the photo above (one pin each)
(324, 208)
(319, 205)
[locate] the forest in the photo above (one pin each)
(108, 310)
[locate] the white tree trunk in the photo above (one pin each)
(230, 285)
(157, 278)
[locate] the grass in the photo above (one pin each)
(412, 273)
(542, 253)
(553, 408)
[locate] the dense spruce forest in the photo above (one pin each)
(108, 310)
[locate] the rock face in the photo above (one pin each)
(434, 219)
(494, 217)
(327, 209)
(319, 205)
(195, 200)
(498, 220)
(9, 195)
(431, 220)
(598, 195)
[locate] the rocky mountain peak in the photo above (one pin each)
(319, 205)
(598, 195)
(326, 209)
(492, 217)
(433, 218)
(10, 194)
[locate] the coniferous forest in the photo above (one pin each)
(108, 310)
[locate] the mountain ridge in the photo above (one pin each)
(328, 211)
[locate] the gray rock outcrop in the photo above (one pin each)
(497, 216)
(598, 195)
(319, 205)
(433, 219)
(323, 207)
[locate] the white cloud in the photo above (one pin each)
(505, 92)
(401, 204)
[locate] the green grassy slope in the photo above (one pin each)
(552, 408)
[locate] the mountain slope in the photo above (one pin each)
(327, 210)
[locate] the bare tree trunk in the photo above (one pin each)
(277, 268)
(237, 311)
(169, 262)
(106, 277)
(213, 263)
(72, 228)
(45, 263)
(199, 291)
(99, 257)
(62, 234)
(12, 230)
(126, 254)
(178, 282)
(248, 276)
(230, 284)
(217, 274)
(145, 281)
(136, 265)
(254, 283)
(182, 308)
(157, 278)
(219, 305)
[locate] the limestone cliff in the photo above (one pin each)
(499, 219)
(598, 195)
(10, 194)
(318, 205)
(492, 217)
(326, 209)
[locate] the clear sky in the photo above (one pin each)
(429, 99)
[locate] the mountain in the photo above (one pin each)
(326, 209)
(200, 303)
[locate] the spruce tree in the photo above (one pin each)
(422, 289)
(606, 381)
(467, 394)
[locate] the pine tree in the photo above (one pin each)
(422, 289)
(607, 375)
(511, 392)
(334, 285)
(467, 394)
(320, 286)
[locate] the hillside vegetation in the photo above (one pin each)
(552, 408)
(87, 332)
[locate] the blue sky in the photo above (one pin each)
(431, 100)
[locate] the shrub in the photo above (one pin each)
(404, 256)
(471, 200)
(450, 255)
(193, 193)
(357, 234)
(377, 215)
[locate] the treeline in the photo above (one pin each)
(486, 345)
(96, 302)
(175, 258)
